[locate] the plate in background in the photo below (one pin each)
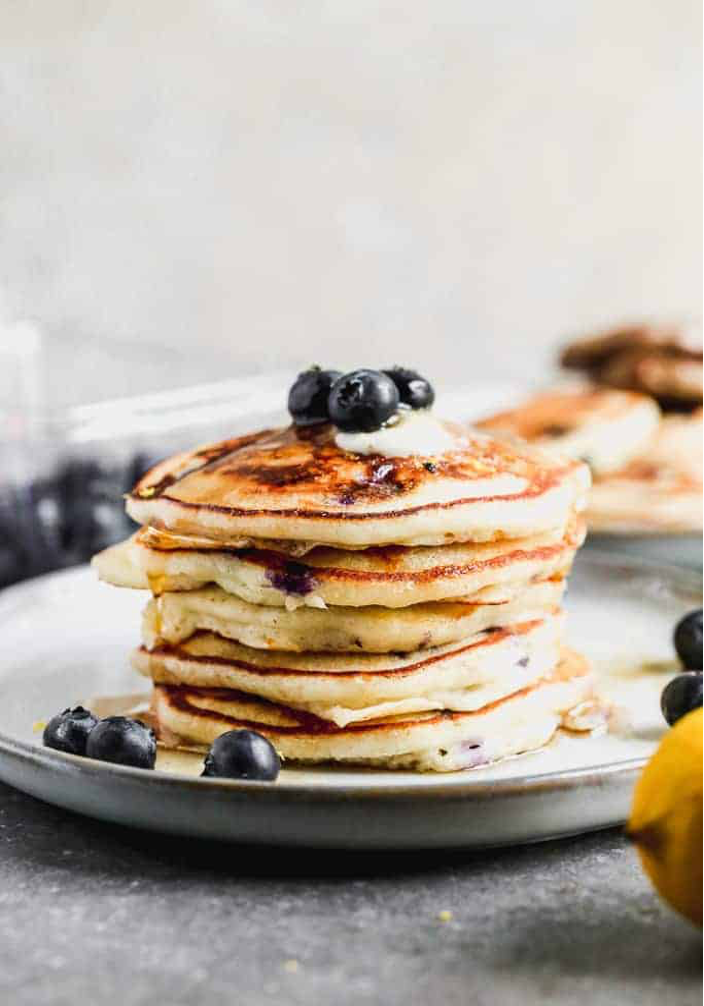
(682, 549)
(66, 637)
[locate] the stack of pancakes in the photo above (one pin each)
(639, 427)
(391, 611)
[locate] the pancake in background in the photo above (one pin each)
(658, 492)
(349, 687)
(424, 741)
(174, 617)
(664, 361)
(390, 576)
(297, 484)
(677, 338)
(672, 380)
(603, 427)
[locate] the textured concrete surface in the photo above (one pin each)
(92, 913)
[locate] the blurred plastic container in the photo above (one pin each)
(20, 409)
(63, 475)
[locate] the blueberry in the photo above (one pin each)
(362, 401)
(681, 695)
(69, 731)
(123, 741)
(308, 397)
(242, 754)
(11, 567)
(688, 640)
(291, 578)
(413, 389)
(14, 562)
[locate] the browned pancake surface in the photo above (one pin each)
(280, 720)
(556, 413)
(265, 663)
(262, 473)
(664, 361)
(672, 339)
(385, 563)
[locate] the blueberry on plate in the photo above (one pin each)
(242, 754)
(69, 731)
(122, 741)
(308, 397)
(688, 640)
(413, 389)
(362, 401)
(681, 695)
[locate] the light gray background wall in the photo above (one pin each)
(454, 184)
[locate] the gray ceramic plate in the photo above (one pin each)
(66, 637)
(682, 549)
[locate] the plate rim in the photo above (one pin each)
(59, 763)
(442, 788)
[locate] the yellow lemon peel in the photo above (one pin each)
(666, 817)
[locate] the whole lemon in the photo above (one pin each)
(666, 817)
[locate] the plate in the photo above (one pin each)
(682, 549)
(66, 638)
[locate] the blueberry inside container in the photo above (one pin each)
(63, 473)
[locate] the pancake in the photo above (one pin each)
(296, 484)
(345, 688)
(174, 617)
(659, 492)
(664, 361)
(425, 741)
(669, 379)
(390, 576)
(674, 339)
(605, 428)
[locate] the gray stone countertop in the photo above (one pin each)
(91, 913)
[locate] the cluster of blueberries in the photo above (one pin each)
(237, 754)
(66, 516)
(684, 693)
(358, 402)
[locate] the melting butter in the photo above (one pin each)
(409, 433)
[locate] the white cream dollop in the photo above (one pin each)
(414, 432)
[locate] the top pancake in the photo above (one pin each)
(296, 484)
